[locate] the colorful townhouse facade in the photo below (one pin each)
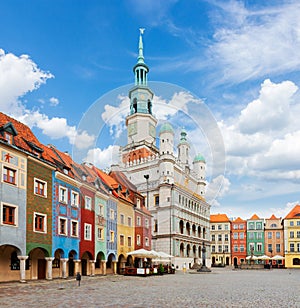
(292, 238)
(220, 232)
(255, 236)
(238, 241)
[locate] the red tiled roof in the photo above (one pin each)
(294, 213)
(219, 218)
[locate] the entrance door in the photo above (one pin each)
(83, 267)
(71, 267)
(41, 269)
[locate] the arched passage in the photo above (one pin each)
(37, 263)
(9, 263)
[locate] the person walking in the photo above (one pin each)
(78, 278)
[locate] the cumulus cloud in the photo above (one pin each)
(103, 158)
(263, 140)
(20, 75)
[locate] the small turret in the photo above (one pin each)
(183, 148)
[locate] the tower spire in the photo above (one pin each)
(141, 55)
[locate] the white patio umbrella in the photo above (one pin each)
(277, 257)
(143, 253)
(251, 258)
(264, 257)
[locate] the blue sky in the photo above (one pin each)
(219, 68)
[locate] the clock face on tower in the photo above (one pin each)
(132, 129)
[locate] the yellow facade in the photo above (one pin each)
(292, 245)
(125, 228)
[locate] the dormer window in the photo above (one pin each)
(66, 171)
(8, 137)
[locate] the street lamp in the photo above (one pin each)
(146, 176)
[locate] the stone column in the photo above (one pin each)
(77, 266)
(49, 268)
(103, 266)
(64, 267)
(92, 267)
(114, 264)
(22, 267)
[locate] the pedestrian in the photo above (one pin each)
(78, 278)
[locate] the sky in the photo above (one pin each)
(226, 71)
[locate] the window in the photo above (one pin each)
(74, 198)
(251, 236)
(242, 248)
(219, 227)
(219, 237)
(74, 228)
(292, 247)
(241, 235)
(122, 219)
(213, 248)
(291, 223)
(259, 247)
(14, 261)
(146, 223)
(277, 234)
(101, 210)
(9, 175)
(9, 215)
(88, 232)
(138, 240)
(298, 222)
(235, 226)
(40, 188)
(235, 235)
(241, 226)
(259, 235)
(220, 248)
(291, 234)
(62, 226)
(226, 248)
(226, 227)
(269, 235)
(273, 225)
(156, 199)
(235, 248)
(298, 247)
(112, 236)
(63, 196)
(138, 221)
(278, 248)
(88, 203)
(129, 241)
(258, 226)
(270, 249)
(213, 238)
(213, 227)
(122, 240)
(112, 214)
(298, 234)
(100, 233)
(129, 221)
(8, 137)
(146, 241)
(251, 225)
(39, 222)
(226, 237)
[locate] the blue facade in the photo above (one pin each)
(111, 226)
(65, 243)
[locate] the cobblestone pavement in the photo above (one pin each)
(220, 288)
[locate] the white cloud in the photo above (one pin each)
(20, 75)
(249, 44)
(53, 101)
(103, 158)
(217, 188)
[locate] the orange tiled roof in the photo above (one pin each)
(273, 217)
(294, 213)
(219, 218)
(254, 217)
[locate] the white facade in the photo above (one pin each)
(174, 191)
